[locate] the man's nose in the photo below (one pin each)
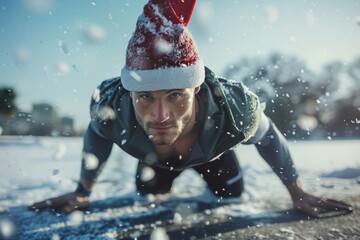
(161, 111)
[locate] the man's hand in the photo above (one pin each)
(312, 205)
(68, 203)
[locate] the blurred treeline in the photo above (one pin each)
(302, 103)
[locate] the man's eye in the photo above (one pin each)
(146, 97)
(175, 95)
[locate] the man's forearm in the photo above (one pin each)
(274, 150)
(295, 189)
(96, 151)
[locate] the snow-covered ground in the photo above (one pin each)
(35, 168)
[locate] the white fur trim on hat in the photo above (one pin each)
(163, 78)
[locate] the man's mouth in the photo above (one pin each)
(160, 128)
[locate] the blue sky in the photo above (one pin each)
(59, 51)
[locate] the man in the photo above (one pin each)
(172, 113)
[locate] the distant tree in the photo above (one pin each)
(343, 99)
(282, 82)
(302, 104)
(7, 101)
(346, 121)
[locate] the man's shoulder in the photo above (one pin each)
(224, 87)
(240, 104)
(110, 84)
(110, 109)
(106, 99)
(107, 89)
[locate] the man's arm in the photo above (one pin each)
(274, 150)
(96, 151)
(272, 147)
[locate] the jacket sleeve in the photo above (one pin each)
(274, 150)
(96, 151)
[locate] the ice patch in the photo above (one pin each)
(348, 173)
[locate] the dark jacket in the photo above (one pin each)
(230, 114)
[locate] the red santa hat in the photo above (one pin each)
(161, 54)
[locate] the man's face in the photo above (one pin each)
(164, 114)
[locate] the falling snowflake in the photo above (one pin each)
(106, 113)
(272, 14)
(94, 33)
(135, 76)
(63, 68)
(162, 46)
(159, 234)
(147, 174)
(91, 162)
(76, 218)
(307, 122)
(22, 55)
(60, 151)
(7, 228)
(96, 95)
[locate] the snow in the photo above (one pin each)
(37, 168)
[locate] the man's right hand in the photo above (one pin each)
(68, 203)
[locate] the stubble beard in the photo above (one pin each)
(164, 138)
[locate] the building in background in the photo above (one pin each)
(43, 120)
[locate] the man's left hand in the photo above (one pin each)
(312, 205)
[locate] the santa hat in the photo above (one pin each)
(161, 54)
